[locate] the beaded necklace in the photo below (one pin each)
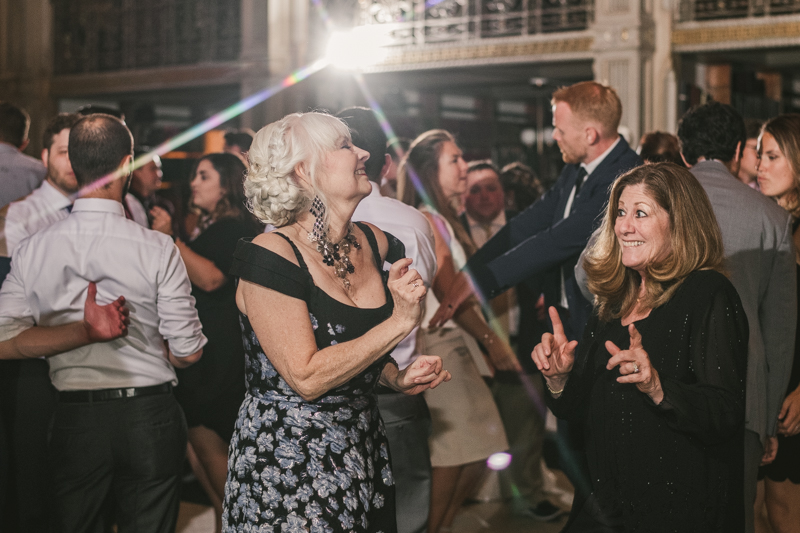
(337, 255)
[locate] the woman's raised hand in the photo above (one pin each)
(162, 220)
(555, 355)
(408, 290)
(634, 365)
(424, 373)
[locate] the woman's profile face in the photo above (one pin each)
(642, 229)
(206, 188)
(452, 170)
(344, 174)
(775, 174)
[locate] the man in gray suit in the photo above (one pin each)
(759, 253)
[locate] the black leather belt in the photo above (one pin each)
(105, 395)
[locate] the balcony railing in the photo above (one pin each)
(726, 9)
(415, 22)
(109, 35)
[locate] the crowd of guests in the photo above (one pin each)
(406, 316)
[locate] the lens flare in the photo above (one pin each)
(208, 124)
(499, 461)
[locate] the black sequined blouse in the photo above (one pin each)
(675, 467)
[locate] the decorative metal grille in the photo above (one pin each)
(431, 21)
(109, 35)
(725, 9)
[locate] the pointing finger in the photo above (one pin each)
(612, 348)
(558, 328)
(636, 337)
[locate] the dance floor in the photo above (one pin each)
(481, 517)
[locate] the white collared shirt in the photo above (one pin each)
(589, 168)
(478, 230)
(137, 210)
(40, 209)
(412, 229)
(50, 273)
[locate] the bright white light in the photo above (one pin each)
(358, 48)
(499, 461)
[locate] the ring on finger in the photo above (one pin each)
(415, 284)
(635, 367)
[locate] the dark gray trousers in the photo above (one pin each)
(131, 449)
(408, 426)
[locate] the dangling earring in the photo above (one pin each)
(318, 210)
(335, 255)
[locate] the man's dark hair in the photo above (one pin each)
(368, 135)
(483, 164)
(94, 109)
(139, 151)
(97, 145)
(62, 121)
(660, 147)
(753, 127)
(240, 138)
(14, 124)
(711, 131)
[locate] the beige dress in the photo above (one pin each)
(466, 424)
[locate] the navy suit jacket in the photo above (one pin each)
(539, 244)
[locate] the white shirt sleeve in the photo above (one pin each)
(15, 229)
(15, 314)
(178, 321)
(422, 250)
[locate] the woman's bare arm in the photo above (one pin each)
(283, 327)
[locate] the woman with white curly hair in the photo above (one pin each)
(319, 319)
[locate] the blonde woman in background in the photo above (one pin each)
(466, 424)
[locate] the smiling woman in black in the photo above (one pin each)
(657, 382)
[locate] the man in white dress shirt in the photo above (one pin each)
(117, 427)
(52, 201)
(407, 419)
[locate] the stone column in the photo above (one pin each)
(664, 105)
(623, 49)
(26, 62)
(274, 44)
(255, 57)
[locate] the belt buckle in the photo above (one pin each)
(129, 392)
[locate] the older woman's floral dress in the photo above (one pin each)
(295, 465)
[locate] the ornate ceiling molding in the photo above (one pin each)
(729, 34)
(555, 48)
